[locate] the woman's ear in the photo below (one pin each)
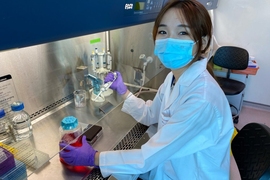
(205, 40)
(205, 52)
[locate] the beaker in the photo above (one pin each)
(80, 98)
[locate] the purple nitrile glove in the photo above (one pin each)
(78, 156)
(118, 85)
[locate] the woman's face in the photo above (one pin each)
(173, 25)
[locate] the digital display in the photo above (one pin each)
(139, 6)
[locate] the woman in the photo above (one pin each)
(193, 115)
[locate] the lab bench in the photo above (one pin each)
(119, 131)
(116, 126)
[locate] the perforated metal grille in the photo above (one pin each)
(132, 138)
(51, 106)
(128, 142)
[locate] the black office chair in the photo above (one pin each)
(251, 150)
(231, 58)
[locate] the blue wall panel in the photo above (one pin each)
(31, 22)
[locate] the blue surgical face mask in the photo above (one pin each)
(174, 53)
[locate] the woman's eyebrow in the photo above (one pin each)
(162, 25)
(183, 25)
(180, 25)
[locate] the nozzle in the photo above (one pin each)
(92, 77)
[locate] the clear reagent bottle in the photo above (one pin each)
(5, 135)
(21, 122)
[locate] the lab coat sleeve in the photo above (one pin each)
(188, 131)
(145, 112)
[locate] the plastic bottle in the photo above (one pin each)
(21, 122)
(70, 133)
(5, 136)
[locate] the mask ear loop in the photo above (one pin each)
(195, 42)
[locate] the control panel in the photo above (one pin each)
(140, 7)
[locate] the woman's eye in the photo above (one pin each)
(161, 32)
(183, 33)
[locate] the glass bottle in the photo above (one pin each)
(21, 122)
(70, 130)
(70, 133)
(5, 135)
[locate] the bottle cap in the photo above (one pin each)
(2, 113)
(17, 106)
(69, 123)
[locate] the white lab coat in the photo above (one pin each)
(193, 137)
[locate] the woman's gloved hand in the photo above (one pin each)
(118, 85)
(78, 156)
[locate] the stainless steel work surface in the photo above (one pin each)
(118, 131)
(115, 123)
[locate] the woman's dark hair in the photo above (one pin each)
(196, 16)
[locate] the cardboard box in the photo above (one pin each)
(248, 71)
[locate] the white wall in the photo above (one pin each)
(246, 23)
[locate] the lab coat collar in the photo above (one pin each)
(192, 72)
(185, 80)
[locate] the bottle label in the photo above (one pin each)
(70, 137)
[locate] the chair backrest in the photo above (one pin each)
(251, 150)
(231, 57)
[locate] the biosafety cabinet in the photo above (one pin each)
(43, 46)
